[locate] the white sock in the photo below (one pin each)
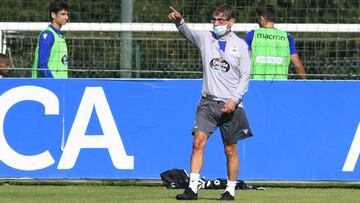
(230, 187)
(194, 181)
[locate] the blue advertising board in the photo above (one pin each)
(125, 129)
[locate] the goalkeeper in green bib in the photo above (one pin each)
(271, 49)
(51, 57)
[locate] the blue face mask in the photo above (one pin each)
(220, 30)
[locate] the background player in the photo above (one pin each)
(51, 57)
(271, 49)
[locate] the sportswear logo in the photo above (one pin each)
(269, 36)
(45, 35)
(64, 60)
(219, 64)
(201, 184)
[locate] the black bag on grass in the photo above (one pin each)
(179, 179)
(175, 179)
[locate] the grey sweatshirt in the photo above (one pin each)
(226, 73)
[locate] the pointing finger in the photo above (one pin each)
(173, 9)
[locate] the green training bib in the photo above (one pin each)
(270, 55)
(58, 60)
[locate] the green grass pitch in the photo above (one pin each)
(159, 194)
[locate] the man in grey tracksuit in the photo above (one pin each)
(226, 67)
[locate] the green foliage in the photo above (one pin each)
(295, 11)
(168, 55)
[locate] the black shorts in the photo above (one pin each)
(233, 126)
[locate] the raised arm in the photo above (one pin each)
(175, 15)
(192, 36)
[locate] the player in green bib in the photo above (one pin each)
(271, 49)
(51, 57)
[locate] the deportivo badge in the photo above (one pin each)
(219, 64)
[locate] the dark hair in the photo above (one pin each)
(226, 9)
(267, 11)
(57, 6)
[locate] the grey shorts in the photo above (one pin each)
(233, 126)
